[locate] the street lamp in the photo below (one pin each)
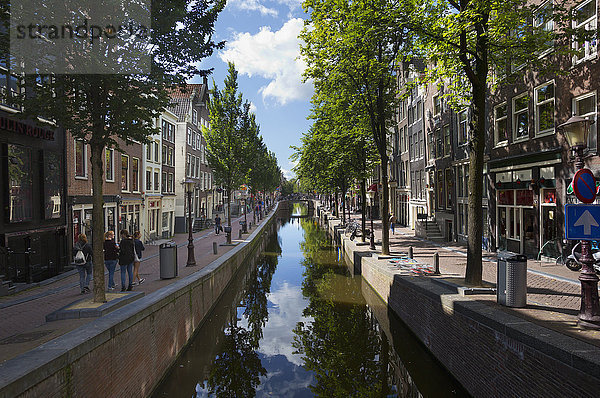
(371, 195)
(189, 185)
(576, 131)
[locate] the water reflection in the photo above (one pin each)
(298, 325)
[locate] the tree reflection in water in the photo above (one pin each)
(237, 368)
(340, 345)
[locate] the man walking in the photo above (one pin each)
(217, 224)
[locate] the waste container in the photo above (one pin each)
(168, 260)
(511, 287)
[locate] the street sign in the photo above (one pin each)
(584, 186)
(582, 222)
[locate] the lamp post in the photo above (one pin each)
(189, 189)
(576, 131)
(371, 195)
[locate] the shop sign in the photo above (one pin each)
(18, 127)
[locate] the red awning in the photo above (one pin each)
(372, 187)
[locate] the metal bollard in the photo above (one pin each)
(240, 234)
(214, 247)
(410, 252)
(436, 263)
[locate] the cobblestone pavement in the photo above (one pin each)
(553, 291)
(23, 315)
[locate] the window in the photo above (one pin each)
(410, 147)
(440, 189)
(411, 118)
(431, 145)
(124, 173)
(110, 173)
(419, 110)
(171, 156)
(463, 125)
(164, 154)
(585, 18)
(437, 105)
(189, 136)
(188, 165)
(459, 181)
(500, 126)
(171, 183)
(521, 117)
(156, 182)
(439, 151)
(543, 21)
(197, 167)
(585, 106)
(149, 151)
(135, 168)
(156, 152)
(195, 117)
(447, 144)
(164, 182)
(20, 184)
(168, 131)
(544, 109)
(148, 180)
(80, 159)
(448, 188)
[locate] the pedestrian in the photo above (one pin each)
(111, 257)
(217, 224)
(126, 259)
(392, 221)
(82, 256)
(139, 248)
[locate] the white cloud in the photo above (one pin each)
(253, 108)
(273, 56)
(252, 5)
(288, 174)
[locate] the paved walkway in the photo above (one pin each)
(553, 291)
(23, 315)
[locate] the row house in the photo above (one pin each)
(190, 106)
(528, 167)
(33, 231)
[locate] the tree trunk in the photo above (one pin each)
(336, 211)
(343, 207)
(363, 207)
(97, 161)
(385, 224)
(229, 207)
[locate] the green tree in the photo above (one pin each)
(352, 47)
(100, 109)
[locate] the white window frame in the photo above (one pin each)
(503, 119)
(515, 113)
(538, 104)
(591, 115)
(194, 117)
(189, 135)
(149, 179)
(547, 26)
(590, 50)
(85, 160)
(133, 175)
(128, 172)
(111, 151)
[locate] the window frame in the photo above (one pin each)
(84, 155)
(463, 140)
(135, 171)
(537, 104)
(110, 151)
(515, 114)
(575, 112)
(591, 20)
(127, 189)
(497, 120)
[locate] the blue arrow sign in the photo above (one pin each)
(582, 222)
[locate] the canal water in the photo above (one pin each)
(298, 324)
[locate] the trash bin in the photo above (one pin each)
(227, 230)
(511, 287)
(168, 260)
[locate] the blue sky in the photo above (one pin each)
(262, 41)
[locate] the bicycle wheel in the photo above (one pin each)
(573, 265)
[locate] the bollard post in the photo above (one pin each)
(214, 247)
(436, 263)
(240, 234)
(410, 252)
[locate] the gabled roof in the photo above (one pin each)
(183, 97)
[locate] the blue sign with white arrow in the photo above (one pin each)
(582, 222)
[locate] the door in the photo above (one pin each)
(530, 244)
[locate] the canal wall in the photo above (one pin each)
(127, 352)
(490, 352)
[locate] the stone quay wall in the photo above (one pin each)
(490, 352)
(127, 352)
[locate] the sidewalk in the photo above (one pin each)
(553, 291)
(24, 325)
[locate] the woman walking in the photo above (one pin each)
(126, 258)
(111, 256)
(82, 252)
(139, 248)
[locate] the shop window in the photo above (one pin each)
(506, 197)
(549, 196)
(110, 172)
(585, 106)
(544, 109)
(20, 184)
(52, 185)
(524, 197)
(500, 124)
(135, 167)
(521, 117)
(585, 17)
(80, 159)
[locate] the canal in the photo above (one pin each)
(298, 324)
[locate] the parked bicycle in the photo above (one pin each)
(553, 249)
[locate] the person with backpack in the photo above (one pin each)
(139, 248)
(82, 252)
(126, 259)
(111, 257)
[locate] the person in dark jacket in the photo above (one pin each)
(111, 257)
(139, 248)
(126, 259)
(85, 269)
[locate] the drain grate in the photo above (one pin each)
(25, 337)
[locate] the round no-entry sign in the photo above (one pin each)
(584, 186)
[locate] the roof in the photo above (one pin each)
(182, 97)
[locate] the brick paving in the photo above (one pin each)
(553, 291)
(24, 326)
